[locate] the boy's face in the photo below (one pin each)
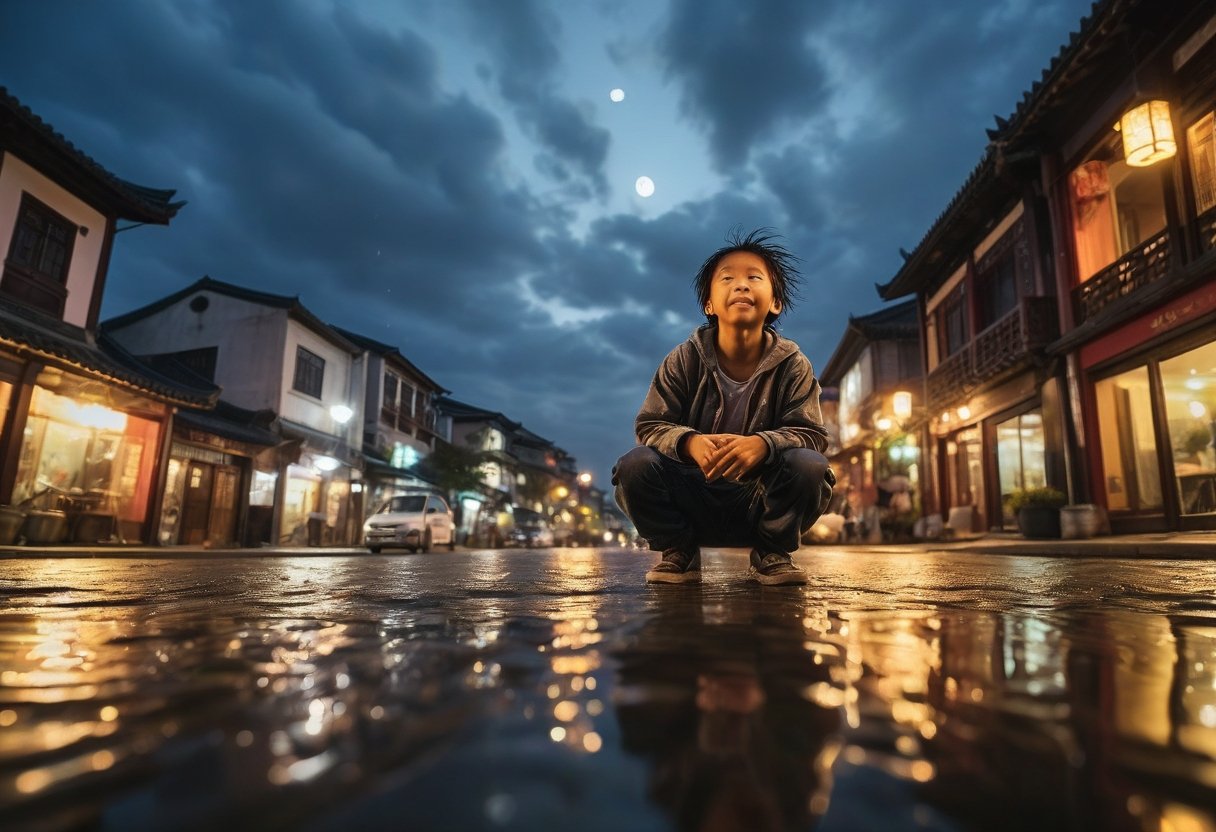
(741, 291)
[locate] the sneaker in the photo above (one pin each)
(676, 567)
(774, 569)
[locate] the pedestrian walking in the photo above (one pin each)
(730, 433)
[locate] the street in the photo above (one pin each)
(553, 689)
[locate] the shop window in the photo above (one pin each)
(310, 373)
(36, 271)
(1021, 456)
(79, 454)
(1189, 381)
(1129, 446)
(1115, 208)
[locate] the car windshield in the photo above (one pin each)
(411, 502)
(526, 517)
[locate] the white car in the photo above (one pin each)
(410, 521)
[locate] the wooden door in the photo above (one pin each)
(196, 507)
(222, 524)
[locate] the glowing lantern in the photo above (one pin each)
(1148, 134)
(902, 404)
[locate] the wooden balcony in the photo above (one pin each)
(404, 422)
(1008, 344)
(1142, 266)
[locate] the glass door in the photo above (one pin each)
(1130, 468)
(1021, 454)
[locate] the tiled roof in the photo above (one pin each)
(890, 323)
(133, 202)
(232, 422)
(209, 284)
(30, 332)
(388, 351)
(462, 412)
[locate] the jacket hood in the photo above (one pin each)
(705, 339)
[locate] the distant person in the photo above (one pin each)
(730, 431)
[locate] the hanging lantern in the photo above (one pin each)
(1148, 134)
(902, 404)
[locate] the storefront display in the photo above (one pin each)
(84, 456)
(1189, 384)
(1021, 453)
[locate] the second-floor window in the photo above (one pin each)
(38, 259)
(310, 373)
(952, 322)
(1115, 208)
(1002, 275)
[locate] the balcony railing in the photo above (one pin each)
(404, 422)
(1008, 343)
(1140, 267)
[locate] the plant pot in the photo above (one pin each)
(1039, 522)
(45, 527)
(1080, 521)
(10, 523)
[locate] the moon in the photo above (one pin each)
(617, 95)
(644, 186)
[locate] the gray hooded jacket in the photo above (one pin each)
(685, 397)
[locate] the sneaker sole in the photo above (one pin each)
(690, 577)
(777, 580)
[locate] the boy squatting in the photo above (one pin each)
(730, 433)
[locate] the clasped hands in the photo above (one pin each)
(725, 455)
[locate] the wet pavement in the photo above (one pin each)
(553, 690)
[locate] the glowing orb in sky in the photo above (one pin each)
(644, 186)
(617, 95)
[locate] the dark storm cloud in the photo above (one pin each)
(745, 69)
(303, 184)
(522, 37)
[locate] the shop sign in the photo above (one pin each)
(200, 437)
(196, 454)
(1184, 310)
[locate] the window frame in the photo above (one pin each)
(303, 372)
(29, 281)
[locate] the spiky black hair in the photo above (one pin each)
(780, 263)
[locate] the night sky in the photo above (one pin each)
(453, 177)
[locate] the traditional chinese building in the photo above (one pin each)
(86, 426)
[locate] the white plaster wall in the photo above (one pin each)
(337, 386)
(250, 338)
(17, 177)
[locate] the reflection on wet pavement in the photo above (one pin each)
(551, 689)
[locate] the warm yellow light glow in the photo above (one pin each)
(902, 404)
(1148, 134)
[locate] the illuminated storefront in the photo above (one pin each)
(1151, 410)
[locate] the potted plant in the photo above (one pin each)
(1038, 510)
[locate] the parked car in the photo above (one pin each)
(410, 521)
(531, 530)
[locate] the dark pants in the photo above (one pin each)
(673, 506)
